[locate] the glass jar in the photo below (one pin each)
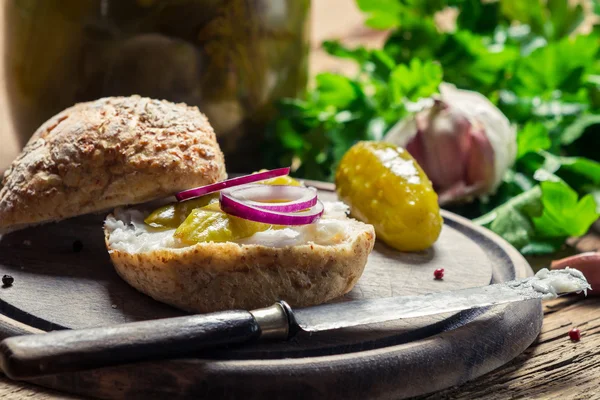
(231, 58)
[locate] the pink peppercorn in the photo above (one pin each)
(438, 273)
(575, 335)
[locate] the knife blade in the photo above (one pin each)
(29, 356)
(371, 311)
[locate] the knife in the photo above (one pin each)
(55, 352)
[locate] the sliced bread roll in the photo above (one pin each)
(107, 153)
(304, 266)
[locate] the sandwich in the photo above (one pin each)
(177, 229)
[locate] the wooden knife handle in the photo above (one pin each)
(72, 350)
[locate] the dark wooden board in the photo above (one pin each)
(56, 288)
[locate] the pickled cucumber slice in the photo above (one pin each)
(201, 219)
(172, 215)
(210, 224)
(282, 180)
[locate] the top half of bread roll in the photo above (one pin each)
(111, 152)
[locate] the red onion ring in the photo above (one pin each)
(300, 197)
(242, 210)
(241, 180)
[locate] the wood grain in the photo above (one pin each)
(554, 367)
(11, 390)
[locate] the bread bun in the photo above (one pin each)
(115, 151)
(321, 263)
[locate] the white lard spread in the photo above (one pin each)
(553, 283)
(129, 233)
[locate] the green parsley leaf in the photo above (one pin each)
(415, 81)
(557, 66)
(541, 247)
(583, 167)
(564, 18)
(381, 14)
(335, 90)
(512, 220)
(529, 12)
(564, 215)
(532, 137)
(536, 220)
(335, 48)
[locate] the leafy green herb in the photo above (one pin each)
(583, 168)
(538, 219)
(335, 91)
(512, 220)
(414, 82)
(563, 215)
(381, 14)
(556, 66)
(532, 138)
(529, 57)
(313, 134)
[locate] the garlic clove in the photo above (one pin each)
(446, 142)
(498, 129)
(463, 143)
(480, 169)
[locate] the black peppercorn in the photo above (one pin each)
(7, 280)
(77, 246)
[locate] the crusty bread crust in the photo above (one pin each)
(114, 151)
(210, 277)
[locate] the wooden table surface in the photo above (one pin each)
(552, 368)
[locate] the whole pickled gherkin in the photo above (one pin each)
(384, 186)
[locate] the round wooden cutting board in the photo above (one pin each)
(60, 285)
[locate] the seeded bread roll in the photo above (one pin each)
(111, 152)
(208, 277)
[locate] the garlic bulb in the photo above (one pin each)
(462, 141)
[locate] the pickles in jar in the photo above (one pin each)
(384, 186)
